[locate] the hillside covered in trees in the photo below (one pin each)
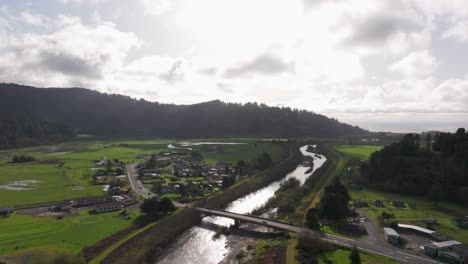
(57, 112)
(434, 166)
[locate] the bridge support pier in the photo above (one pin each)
(236, 224)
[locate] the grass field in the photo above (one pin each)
(64, 171)
(357, 151)
(341, 256)
(246, 152)
(72, 234)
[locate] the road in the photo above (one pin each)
(139, 188)
(374, 244)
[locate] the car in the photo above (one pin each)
(265, 222)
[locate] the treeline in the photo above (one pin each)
(436, 166)
(22, 158)
(23, 131)
(91, 112)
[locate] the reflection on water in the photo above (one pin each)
(197, 245)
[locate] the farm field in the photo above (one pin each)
(64, 171)
(70, 234)
(357, 151)
(246, 152)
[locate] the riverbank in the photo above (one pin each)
(147, 246)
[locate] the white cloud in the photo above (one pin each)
(71, 54)
(156, 7)
(417, 64)
(458, 32)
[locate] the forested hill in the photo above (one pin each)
(87, 111)
(433, 166)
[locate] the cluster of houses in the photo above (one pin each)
(184, 169)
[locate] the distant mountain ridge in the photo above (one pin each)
(85, 111)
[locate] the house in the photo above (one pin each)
(398, 204)
(379, 204)
(422, 231)
(86, 201)
(391, 235)
(142, 156)
(358, 203)
(108, 207)
(100, 173)
(102, 161)
(435, 248)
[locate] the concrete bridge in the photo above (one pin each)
(251, 219)
(378, 247)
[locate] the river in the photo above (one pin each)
(197, 245)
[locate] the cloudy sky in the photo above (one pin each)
(384, 65)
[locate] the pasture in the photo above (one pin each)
(70, 234)
(362, 152)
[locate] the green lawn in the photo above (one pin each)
(341, 256)
(357, 151)
(24, 232)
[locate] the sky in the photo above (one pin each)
(386, 65)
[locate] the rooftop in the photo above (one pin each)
(390, 231)
(448, 243)
(417, 228)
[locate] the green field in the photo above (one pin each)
(72, 234)
(246, 152)
(64, 171)
(357, 151)
(341, 256)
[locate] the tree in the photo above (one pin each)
(428, 142)
(264, 161)
(387, 216)
(166, 205)
(354, 257)
(182, 190)
(334, 203)
(154, 206)
(312, 219)
(227, 182)
(149, 206)
(196, 155)
(333, 206)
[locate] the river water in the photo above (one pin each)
(197, 245)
